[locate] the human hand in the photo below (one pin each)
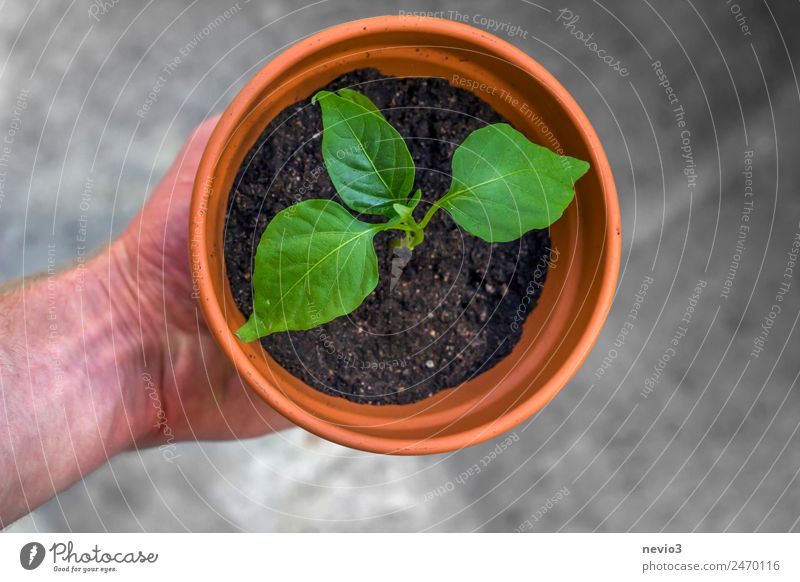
(200, 395)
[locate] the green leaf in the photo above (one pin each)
(505, 185)
(405, 211)
(315, 262)
(415, 199)
(367, 159)
(360, 99)
(402, 211)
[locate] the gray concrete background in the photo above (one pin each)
(713, 447)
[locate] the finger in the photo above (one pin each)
(236, 411)
(254, 416)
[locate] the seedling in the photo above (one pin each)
(316, 261)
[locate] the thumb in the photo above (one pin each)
(184, 167)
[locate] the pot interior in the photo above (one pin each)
(557, 334)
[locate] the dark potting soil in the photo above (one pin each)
(456, 307)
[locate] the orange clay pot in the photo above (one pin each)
(557, 335)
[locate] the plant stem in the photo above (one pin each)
(400, 226)
(414, 232)
(417, 237)
(428, 215)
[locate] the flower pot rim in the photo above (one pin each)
(239, 109)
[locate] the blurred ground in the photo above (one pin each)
(713, 446)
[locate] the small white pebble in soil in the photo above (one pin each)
(430, 364)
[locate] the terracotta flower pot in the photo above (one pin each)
(557, 335)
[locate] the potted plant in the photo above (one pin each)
(293, 247)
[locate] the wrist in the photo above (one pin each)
(111, 347)
(134, 327)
